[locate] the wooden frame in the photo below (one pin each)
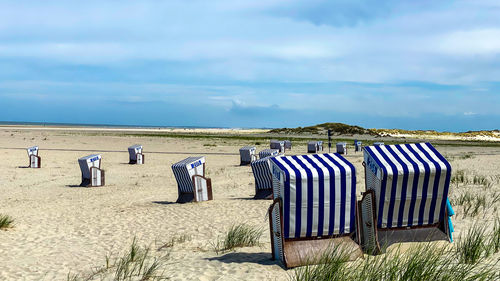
(186, 197)
(209, 187)
(374, 239)
(303, 251)
(38, 161)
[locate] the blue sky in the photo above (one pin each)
(275, 63)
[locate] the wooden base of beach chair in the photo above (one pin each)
(263, 194)
(375, 240)
(304, 251)
(139, 159)
(96, 180)
(186, 197)
(35, 161)
(310, 251)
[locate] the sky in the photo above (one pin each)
(274, 63)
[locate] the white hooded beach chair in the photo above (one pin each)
(192, 185)
(406, 192)
(135, 154)
(279, 145)
(341, 148)
(90, 166)
(358, 146)
(247, 155)
(35, 160)
(314, 208)
(263, 180)
(268, 152)
(314, 146)
(288, 144)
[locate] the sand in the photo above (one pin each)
(60, 228)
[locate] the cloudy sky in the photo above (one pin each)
(273, 63)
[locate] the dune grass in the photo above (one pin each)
(241, 235)
(472, 246)
(422, 262)
(6, 221)
(137, 263)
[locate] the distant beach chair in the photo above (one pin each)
(92, 175)
(192, 185)
(341, 148)
(135, 154)
(314, 208)
(279, 145)
(288, 144)
(268, 152)
(35, 160)
(314, 146)
(358, 146)
(263, 180)
(406, 196)
(378, 143)
(247, 155)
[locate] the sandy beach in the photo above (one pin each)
(61, 228)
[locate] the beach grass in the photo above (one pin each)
(241, 235)
(137, 263)
(473, 246)
(6, 221)
(422, 262)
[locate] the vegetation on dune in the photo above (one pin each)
(321, 129)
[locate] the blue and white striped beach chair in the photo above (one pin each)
(277, 144)
(192, 185)
(314, 146)
(406, 193)
(313, 209)
(35, 159)
(263, 180)
(92, 174)
(247, 155)
(268, 152)
(135, 154)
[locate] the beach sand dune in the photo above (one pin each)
(61, 228)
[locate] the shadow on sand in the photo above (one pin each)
(258, 258)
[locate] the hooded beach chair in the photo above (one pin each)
(192, 185)
(279, 145)
(314, 146)
(135, 154)
(378, 143)
(341, 148)
(247, 155)
(358, 146)
(314, 208)
(263, 180)
(35, 160)
(268, 152)
(90, 166)
(288, 144)
(406, 194)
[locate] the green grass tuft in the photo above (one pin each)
(472, 247)
(6, 221)
(242, 235)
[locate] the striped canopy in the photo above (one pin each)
(185, 169)
(262, 173)
(268, 152)
(413, 183)
(318, 193)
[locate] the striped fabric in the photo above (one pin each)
(185, 169)
(314, 146)
(268, 152)
(262, 173)
(341, 147)
(318, 193)
(133, 150)
(411, 186)
(246, 153)
(32, 150)
(288, 144)
(86, 162)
